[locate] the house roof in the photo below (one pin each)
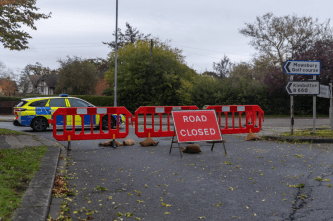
(50, 79)
(101, 74)
(34, 79)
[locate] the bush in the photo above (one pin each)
(237, 91)
(38, 95)
(108, 91)
(5, 98)
(209, 92)
(100, 101)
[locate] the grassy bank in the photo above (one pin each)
(17, 168)
(326, 133)
(296, 116)
(9, 132)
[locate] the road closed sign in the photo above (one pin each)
(200, 125)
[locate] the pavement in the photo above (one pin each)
(7, 118)
(37, 199)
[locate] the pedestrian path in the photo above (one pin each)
(7, 118)
(20, 141)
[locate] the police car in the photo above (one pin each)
(34, 113)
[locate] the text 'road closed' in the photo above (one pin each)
(196, 125)
(195, 132)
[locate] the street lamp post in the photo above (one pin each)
(116, 49)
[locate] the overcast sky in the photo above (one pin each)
(204, 30)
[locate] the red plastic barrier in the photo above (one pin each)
(255, 120)
(69, 135)
(250, 112)
(156, 110)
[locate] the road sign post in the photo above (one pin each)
(331, 108)
(294, 67)
(314, 108)
(326, 92)
(292, 109)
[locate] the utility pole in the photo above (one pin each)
(331, 107)
(292, 109)
(151, 48)
(115, 68)
(314, 109)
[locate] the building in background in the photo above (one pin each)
(39, 84)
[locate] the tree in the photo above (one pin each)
(210, 74)
(7, 2)
(14, 13)
(6, 72)
(276, 81)
(32, 70)
(223, 68)
(7, 80)
(206, 91)
(76, 76)
(101, 64)
(36, 69)
(131, 36)
(243, 70)
(254, 70)
(7, 86)
(320, 51)
(144, 80)
(275, 37)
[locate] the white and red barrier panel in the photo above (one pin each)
(95, 114)
(159, 110)
(91, 116)
(253, 116)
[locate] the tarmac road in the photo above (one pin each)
(253, 182)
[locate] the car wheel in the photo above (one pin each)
(113, 123)
(105, 123)
(39, 124)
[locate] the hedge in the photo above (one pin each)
(5, 98)
(271, 104)
(99, 101)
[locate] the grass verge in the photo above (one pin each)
(17, 168)
(325, 133)
(10, 132)
(296, 116)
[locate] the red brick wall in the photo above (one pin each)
(101, 86)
